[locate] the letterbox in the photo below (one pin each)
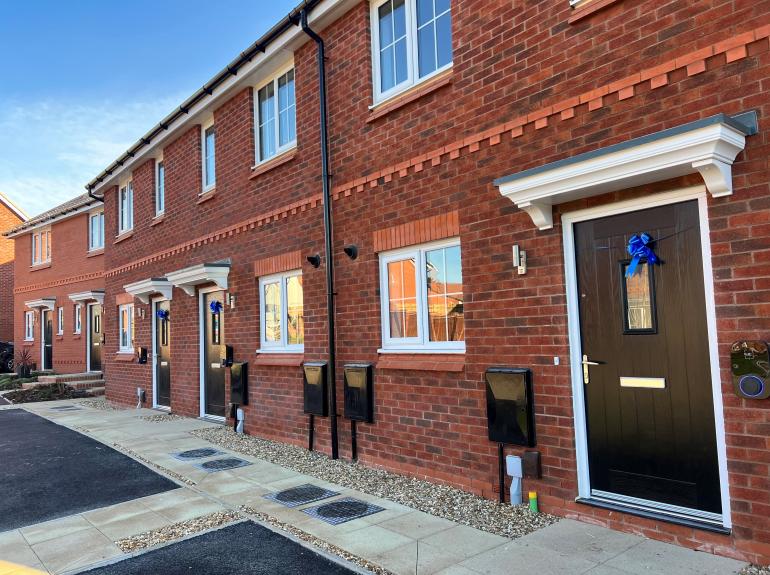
(359, 392)
(315, 388)
(239, 384)
(510, 410)
(750, 365)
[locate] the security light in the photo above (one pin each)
(315, 260)
(351, 251)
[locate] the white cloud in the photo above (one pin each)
(49, 150)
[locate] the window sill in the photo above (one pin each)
(125, 357)
(278, 160)
(38, 267)
(280, 359)
(124, 236)
(157, 220)
(408, 361)
(94, 253)
(590, 7)
(28, 342)
(76, 336)
(208, 195)
(410, 95)
(59, 337)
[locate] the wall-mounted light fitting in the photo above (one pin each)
(231, 300)
(315, 260)
(520, 260)
(351, 251)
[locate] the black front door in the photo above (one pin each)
(163, 354)
(47, 339)
(95, 337)
(649, 403)
(213, 352)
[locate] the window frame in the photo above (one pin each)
(45, 248)
(29, 326)
(77, 319)
(283, 346)
(128, 210)
(412, 53)
(60, 320)
(127, 329)
(421, 343)
(205, 127)
(91, 215)
(282, 71)
(160, 187)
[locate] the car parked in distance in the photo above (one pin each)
(6, 357)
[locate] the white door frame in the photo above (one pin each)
(43, 366)
(202, 351)
(154, 310)
(573, 316)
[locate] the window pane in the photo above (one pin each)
(387, 74)
(402, 72)
(272, 307)
(639, 310)
(402, 298)
(295, 326)
(160, 200)
(266, 101)
(445, 295)
(424, 12)
(286, 108)
(444, 39)
(210, 156)
(386, 23)
(399, 19)
(426, 47)
(393, 57)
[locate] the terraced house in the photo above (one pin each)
(10, 216)
(542, 228)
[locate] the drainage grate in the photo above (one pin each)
(343, 510)
(300, 495)
(222, 464)
(197, 453)
(65, 408)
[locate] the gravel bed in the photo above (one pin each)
(135, 455)
(755, 570)
(177, 531)
(101, 404)
(439, 500)
(315, 541)
(160, 418)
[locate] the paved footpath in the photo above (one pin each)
(399, 539)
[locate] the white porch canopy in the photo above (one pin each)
(143, 290)
(48, 303)
(189, 278)
(708, 146)
(84, 296)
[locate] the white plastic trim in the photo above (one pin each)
(143, 290)
(41, 304)
(84, 296)
(188, 278)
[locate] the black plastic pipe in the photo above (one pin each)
(501, 470)
(330, 313)
(310, 432)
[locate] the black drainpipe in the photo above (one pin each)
(327, 232)
(91, 194)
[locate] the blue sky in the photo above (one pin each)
(81, 80)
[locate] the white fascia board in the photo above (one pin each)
(43, 303)
(84, 296)
(710, 151)
(189, 278)
(48, 223)
(143, 290)
(13, 207)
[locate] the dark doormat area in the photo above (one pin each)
(243, 549)
(48, 471)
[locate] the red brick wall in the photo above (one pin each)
(526, 88)
(71, 271)
(8, 220)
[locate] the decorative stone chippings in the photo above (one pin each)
(439, 500)
(101, 404)
(755, 570)
(176, 531)
(150, 463)
(315, 541)
(160, 418)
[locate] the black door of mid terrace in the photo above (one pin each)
(95, 338)
(649, 403)
(213, 352)
(162, 355)
(47, 339)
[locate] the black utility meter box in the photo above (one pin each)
(750, 364)
(359, 392)
(315, 388)
(239, 384)
(227, 360)
(510, 410)
(142, 355)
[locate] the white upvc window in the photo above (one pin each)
(282, 320)
(126, 207)
(41, 247)
(29, 326)
(411, 41)
(275, 117)
(160, 187)
(60, 321)
(96, 230)
(421, 291)
(126, 326)
(208, 148)
(77, 320)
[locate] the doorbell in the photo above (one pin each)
(750, 365)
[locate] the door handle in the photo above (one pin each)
(586, 363)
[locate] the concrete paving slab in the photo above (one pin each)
(516, 558)
(465, 541)
(370, 541)
(416, 558)
(75, 550)
(52, 529)
(417, 525)
(14, 548)
(656, 558)
(129, 525)
(456, 570)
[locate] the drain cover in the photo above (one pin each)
(222, 464)
(197, 453)
(65, 408)
(343, 510)
(301, 495)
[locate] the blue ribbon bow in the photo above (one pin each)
(639, 246)
(162, 314)
(215, 306)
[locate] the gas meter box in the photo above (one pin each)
(510, 410)
(359, 392)
(315, 388)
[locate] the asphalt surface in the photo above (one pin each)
(242, 549)
(48, 471)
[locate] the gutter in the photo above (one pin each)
(231, 69)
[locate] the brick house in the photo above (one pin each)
(59, 286)
(10, 216)
(562, 132)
